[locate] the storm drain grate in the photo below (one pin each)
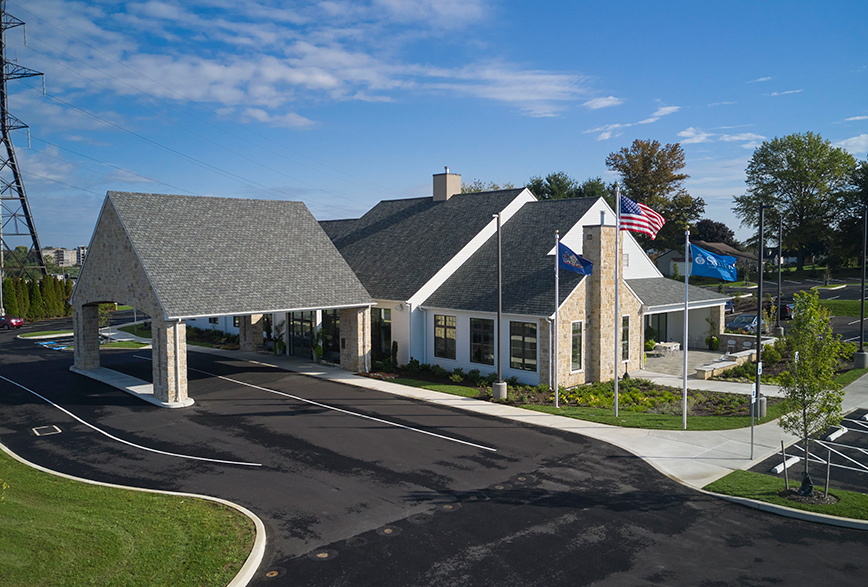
(46, 430)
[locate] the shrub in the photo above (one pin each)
(650, 344)
(456, 377)
(438, 371)
(458, 371)
(412, 366)
(770, 355)
(491, 378)
(511, 381)
(475, 377)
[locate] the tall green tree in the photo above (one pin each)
(10, 297)
(36, 310)
(652, 174)
(555, 186)
(811, 395)
(477, 185)
(805, 181)
(711, 231)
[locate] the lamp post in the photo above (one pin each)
(860, 359)
(499, 387)
(779, 330)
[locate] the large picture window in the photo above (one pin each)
(381, 333)
(625, 338)
(444, 336)
(482, 341)
(576, 356)
(522, 345)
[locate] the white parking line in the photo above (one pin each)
(855, 322)
(128, 443)
(791, 281)
(833, 297)
(343, 411)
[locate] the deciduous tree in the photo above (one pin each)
(805, 181)
(813, 398)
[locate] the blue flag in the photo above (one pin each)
(572, 262)
(711, 265)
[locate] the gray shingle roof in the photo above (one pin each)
(398, 245)
(662, 291)
(528, 272)
(221, 256)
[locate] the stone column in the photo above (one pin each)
(250, 332)
(169, 367)
(355, 339)
(85, 325)
(599, 248)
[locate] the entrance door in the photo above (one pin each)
(301, 333)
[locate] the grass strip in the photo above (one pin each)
(55, 531)
(842, 307)
(656, 421)
(46, 333)
(850, 376)
(136, 330)
(625, 418)
(765, 488)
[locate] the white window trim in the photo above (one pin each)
(582, 362)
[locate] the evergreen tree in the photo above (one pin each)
(10, 297)
(36, 311)
(23, 298)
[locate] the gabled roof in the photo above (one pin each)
(398, 245)
(209, 256)
(724, 249)
(528, 269)
(664, 294)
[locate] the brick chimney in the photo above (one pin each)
(446, 185)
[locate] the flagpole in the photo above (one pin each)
(617, 263)
(686, 294)
(557, 300)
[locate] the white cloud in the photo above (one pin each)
(722, 103)
(606, 102)
(758, 80)
(693, 135)
(287, 120)
(856, 118)
(786, 92)
(857, 145)
(666, 110)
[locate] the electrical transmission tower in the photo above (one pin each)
(16, 221)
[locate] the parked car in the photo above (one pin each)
(729, 307)
(745, 323)
(7, 322)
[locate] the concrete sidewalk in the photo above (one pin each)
(695, 458)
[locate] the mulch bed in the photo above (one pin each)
(816, 499)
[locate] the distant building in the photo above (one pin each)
(64, 258)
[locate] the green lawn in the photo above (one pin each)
(46, 333)
(842, 307)
(137, 330)
(765, 488)
(55, 531)
(625, 418)
(656, 421)
(123, 344)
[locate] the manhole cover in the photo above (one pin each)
(46, 430)
(450, 507)
(500, 486)
(523, 479)
(274, 573)
(420, 518)
(389, 531)
(357, 541)
(474, 497)
(323, 554)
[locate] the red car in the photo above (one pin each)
(7, 322)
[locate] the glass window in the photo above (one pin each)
(236, 320)
(576, 360)
(331, 334)
(482, 341)
(522, 345)
(212, 320)
(625, 338)
(444, 336)
(381, 333)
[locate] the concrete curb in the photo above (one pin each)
(793, 513)
(254, 559)
(828, 287)
(45, 336)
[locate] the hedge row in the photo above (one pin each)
(37, 299)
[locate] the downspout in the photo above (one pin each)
(409, 330)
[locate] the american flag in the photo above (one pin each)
(640, 218)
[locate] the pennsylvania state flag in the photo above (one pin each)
(711, 265)
(572, 262)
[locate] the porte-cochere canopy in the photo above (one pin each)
(180, 257)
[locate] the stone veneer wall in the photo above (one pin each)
(355, 339)
(250, 332)
(113, 274)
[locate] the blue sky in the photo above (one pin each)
(342, 104)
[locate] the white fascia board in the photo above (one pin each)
(479, 313)
(445, 272)
(275, 311)
(679, 307)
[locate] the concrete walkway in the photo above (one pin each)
(695, 458)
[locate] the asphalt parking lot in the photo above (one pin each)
(358, 487)
(847, 454)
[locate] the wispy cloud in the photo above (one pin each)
(291, 119)
(857, 145)
(786, 92)
(609, 130)
(852, 118)
(722, 103)
(758, 80)
(606, 102)
(694, 135)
